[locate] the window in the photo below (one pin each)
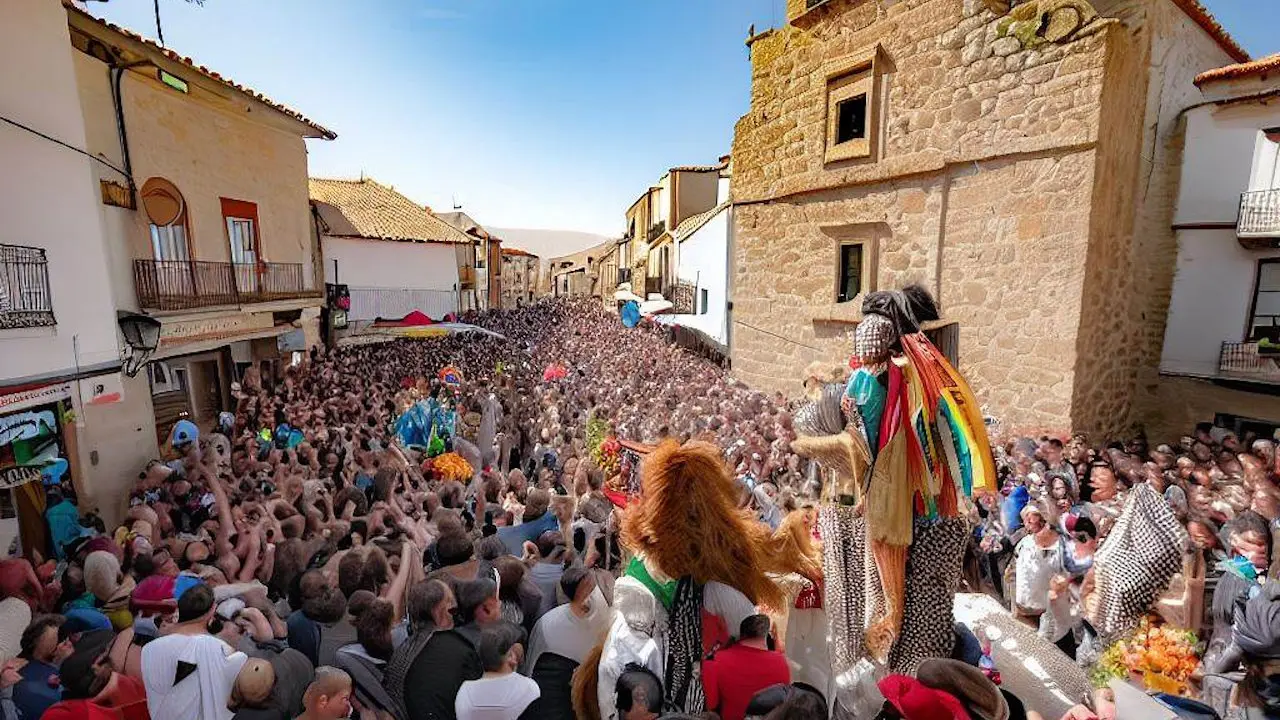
(850, 272)
(703, 301)
(1264, 317)
(241, 219)
(167, 217)
(851, 106)
(851, 119)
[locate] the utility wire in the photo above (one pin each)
(776, 335)
(51, 139)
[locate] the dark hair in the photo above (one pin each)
(454, 548)
(351, 573)
(195, 603)
(549, 543)
(424, 597)
(800, 705)
(373, 628)
(1085, 525)
(638, 684)
(571, 578)
(32, 634)
(1250, 521)
(471, 595)
(754, 627)
(495, 643)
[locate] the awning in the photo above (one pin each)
(205, 343)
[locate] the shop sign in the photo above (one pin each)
(33, 398)
(17, 476)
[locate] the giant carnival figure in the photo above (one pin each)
(906, 444)
(699, 565)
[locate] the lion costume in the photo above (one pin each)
(699, 565)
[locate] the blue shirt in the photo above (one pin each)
(32, 694)
(514, 537)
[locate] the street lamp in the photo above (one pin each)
(142, 334)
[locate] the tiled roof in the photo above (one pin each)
(1202, 17)
(368, 209)
(699, 168)
(1261, 66)
(153, 46)
(691, 224)
(508, 250)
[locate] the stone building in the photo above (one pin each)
(519, 280)
(1021, 162)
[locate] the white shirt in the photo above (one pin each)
(495, 698)
(203, 694)
(562, 632)
(1035, 568)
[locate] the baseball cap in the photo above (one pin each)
(185, 432)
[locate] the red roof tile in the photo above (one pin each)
(1261, 66)
(326, 133)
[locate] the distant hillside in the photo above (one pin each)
(548, 243)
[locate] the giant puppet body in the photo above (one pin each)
(699, 565)
(906, 446)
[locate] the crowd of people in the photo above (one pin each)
(299, 560)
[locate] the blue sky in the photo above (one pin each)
(531, 113)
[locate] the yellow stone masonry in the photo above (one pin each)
(1006, 175)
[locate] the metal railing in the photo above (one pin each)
(1243, 361)
(1259, 214)
(681, 295)
(25, 299)
(656, 231)
(185, 285)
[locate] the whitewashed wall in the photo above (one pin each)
(390, 279)
(1225, 155)
(704, 257)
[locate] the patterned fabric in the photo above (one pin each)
(853, 595)
(846, 567)
(1137, 561)
(398, 669)
(873, 337)
(933, 572)
(684, 651)
(822, 416)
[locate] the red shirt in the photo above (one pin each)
(739, 672)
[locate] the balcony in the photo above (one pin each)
(1259, 215)
(624, 275)
(1244, 361)
(25, 300)
(656, 231)
(186, 285)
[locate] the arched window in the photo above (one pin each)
(167, 214)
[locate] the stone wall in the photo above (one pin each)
(1024, 175)
(980, 189)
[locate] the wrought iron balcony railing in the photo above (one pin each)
(1259, 214)
(1248, 361)
(656, 231)
(189, 284)
(25, 299)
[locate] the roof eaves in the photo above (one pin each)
(152, 46)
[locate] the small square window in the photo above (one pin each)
(850, 271)
(851, 119)
(852, 106)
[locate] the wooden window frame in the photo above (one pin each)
(847, 78)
